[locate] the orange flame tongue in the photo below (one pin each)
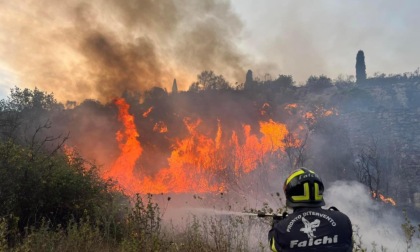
(384, 199)
(146, 114)
(122, 169)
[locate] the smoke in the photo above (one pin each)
(99, 49)
(374, 221)
(375, 224)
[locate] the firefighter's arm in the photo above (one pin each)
(272, 240)
(273, 234)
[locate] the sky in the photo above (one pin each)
(97, 49)
(307, 37)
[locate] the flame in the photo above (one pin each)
(122, 169)
(199, 162)
(328, 113)
(309, 116)
(274, 133)
(248, 154)
(146, 114)
(70, 153)
(317, 113)
(160, 127)
(323, 112)
(264, 109)
(291, 106)
(384, 199)
(193, 165)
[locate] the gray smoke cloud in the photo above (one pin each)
(99, 49)
(376, 222)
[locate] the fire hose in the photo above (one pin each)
(275, 217)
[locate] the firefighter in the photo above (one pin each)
(309, 227)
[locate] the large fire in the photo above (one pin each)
(198, 163)
(122, 169)
(203, 158)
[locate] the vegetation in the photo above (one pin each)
(53, 199)
(360, 67)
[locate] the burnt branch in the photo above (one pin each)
(367, 167)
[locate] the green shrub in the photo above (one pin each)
(143, 226)
(39, 186)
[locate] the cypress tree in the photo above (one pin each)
(174, 87)
(249, 80)
(360, 67)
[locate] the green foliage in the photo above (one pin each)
(192, 238)
(409, 231)
(26, 99)
(357, 240)
(25, 112)
(217, 233)
(318, 84)
(155, 94)
(143, 226)
(3, 234)
(49, 202)
(78, 236)
(38, 185)
(280, 84)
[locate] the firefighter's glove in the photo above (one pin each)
(278, 218)
(275, 221)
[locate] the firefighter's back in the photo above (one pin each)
(313, 229)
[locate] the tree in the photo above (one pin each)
(249, 80)
(24, 111)
(174, 87)
(282, 83)
(296, 150)
(360, 67)
(367, 168)
(208, 80)
(318, 84)
(155, 94)
(41, 181)
(26, 99)
(344, 82)
(40, 185)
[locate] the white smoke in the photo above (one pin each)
(375, 221)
